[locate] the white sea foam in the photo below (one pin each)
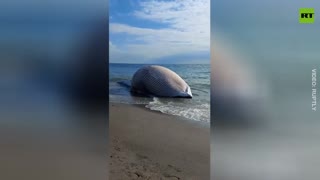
(199, 112)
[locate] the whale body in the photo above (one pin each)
(160, 82)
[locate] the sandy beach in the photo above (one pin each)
(145, 144)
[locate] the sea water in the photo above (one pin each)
(196, 75)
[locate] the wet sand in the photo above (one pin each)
(146, 144)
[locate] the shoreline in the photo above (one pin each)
(147, 144)
(180, 118)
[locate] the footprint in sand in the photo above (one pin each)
(175, 168)
(171, 177)
(142, 156)
(171, 172)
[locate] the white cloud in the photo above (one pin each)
(188, 30)
(186, 15)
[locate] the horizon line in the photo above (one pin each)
(158, 63)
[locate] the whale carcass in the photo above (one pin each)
(160, 82)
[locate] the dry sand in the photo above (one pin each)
(149, 145)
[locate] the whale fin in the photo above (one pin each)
(126, 83)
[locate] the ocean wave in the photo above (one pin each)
(196, 112)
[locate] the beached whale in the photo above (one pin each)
(160, 82)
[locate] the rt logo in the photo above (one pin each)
(306, 15)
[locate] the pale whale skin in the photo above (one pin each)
(160, 82)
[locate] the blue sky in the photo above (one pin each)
(158, 31)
